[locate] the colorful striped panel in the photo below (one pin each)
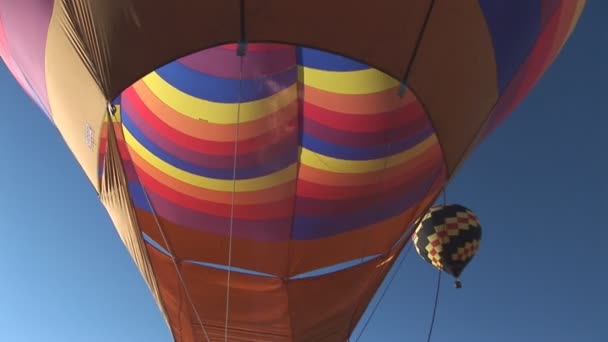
(512, 43)
(368, 154)
(325, 149)
(558, 21)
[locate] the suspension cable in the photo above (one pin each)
(388, 285)
(233, 196)
(430, 333)
(173, 259)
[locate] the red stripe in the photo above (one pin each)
(272, 194)
(265, 211)
(405, 115)
(408, 173)
(365, 139)
(529, 73)
(382, 193)
(207, 146)
(127, 166)
(117, 130)
(284, 143)
(122, 148)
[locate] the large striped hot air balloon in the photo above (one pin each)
(263, 161)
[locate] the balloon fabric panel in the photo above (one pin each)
(346, 180)
(448, 237)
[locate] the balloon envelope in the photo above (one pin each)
(265, 196)
(448, 237)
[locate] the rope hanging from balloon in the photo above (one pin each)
(388, 285)
(233, 195)
(408, 69)
(175, 264)
(401, 93)
(438, 286)
(437, 290)
(111, 111)
(241, 51)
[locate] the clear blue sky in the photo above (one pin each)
(539, 185)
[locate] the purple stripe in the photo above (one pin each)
(261, 230)
(407, 131)
(130, 171)
(314, 227)
(548, 8)
(506, 103)
(26, 24)
(304, 227)
(127, 165)
(390, 191)
(225, 63)
(275, 151)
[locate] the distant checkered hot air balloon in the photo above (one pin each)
(263, 161)
(448, 238)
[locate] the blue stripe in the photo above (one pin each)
(365, 152)
(261, 169)
(514, 26)
(327, 61)
(117, 100)
(218, 89)
(278, 146)
(138, 196)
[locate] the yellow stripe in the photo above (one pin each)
(577, 13)
(252, 184)
(347, 82)
(325, 163)
(117, 117)
(217, 112)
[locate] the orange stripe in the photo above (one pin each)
(186, 243)
(567, 17)
(557, 36)
(273, 194)
(255, 211)
(117, 129)
(380, 102)
(314, 175)
(262, 255)
(403, 179)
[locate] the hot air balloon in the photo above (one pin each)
(448, 238)
(263, 161)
